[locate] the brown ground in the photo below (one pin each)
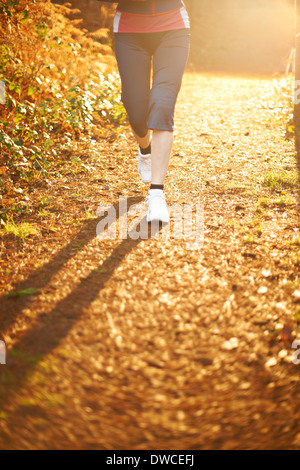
(125, 344)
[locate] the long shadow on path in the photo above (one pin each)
(40, 339)
(10, 309)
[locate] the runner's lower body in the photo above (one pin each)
(151, 106)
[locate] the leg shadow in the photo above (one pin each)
(10, 308)
(42, 338)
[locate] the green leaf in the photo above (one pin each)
(30, 91)
(24, 14)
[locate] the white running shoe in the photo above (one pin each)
(157, 207)
(144, 167)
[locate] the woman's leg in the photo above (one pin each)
(162, 143)
(143, 142)
(134, 63)
(134, 60)
(169, 62)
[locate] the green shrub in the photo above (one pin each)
(53, 94)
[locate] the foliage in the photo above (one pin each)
(57, 91)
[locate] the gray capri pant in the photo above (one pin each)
(151, 108)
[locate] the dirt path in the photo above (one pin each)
(141, 344)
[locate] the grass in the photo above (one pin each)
(25, 357)
(46, 214)
(290, 261)
(263, 202)
(279, 179)
(77, 246)
(70, 221)
(295, 241)
(101, 271)
(250, 239)
(235, 185)
(295, 257)
(89, 215)
(23, 293)
(285, 200)
(21, 231)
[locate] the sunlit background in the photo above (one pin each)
(247, 36)
(242, 35)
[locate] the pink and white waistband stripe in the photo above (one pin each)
(130, 23)
(117, 20)
(185, 17)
